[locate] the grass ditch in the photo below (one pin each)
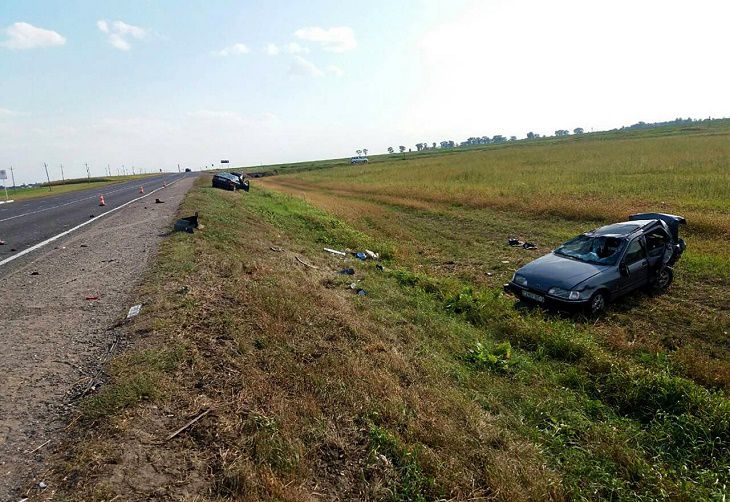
(427, 388)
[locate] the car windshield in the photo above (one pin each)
(603, 250)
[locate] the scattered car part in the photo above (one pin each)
(187, 224)
(334, 251)
(134, 310)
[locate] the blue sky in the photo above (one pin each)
(156, 83)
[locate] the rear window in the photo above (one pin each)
(617, 228)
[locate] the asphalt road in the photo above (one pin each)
(24, 224)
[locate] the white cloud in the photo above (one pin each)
(337, 39)
(232, 50)
(4, 112)
(295, 48)
(119, 33)
(26, 36)
(290, 48)
(335, 70)
(301, 67)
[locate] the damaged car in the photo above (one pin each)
(597, 267)
(242, 181)
(226, 181)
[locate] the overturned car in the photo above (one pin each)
(599, 266)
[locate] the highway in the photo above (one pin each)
(27, 223)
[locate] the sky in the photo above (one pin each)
(157, 83)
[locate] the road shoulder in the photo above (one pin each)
(60, 305)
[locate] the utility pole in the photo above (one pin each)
(62, 178)
(88, 174)
(109, 170)
(12, 173)
(50, 189)
(178, 168)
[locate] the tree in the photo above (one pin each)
(365, 152)
(402, 149)
(531, 135)
(562, 132)
(390, 149)
(578, 130)
(359, 153)
(433, 145)
(419, 146)
(513, 138)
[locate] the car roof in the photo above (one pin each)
(622, 229)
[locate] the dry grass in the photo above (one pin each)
(318, 393)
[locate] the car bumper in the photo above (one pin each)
(527, 294)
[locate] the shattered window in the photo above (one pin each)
(656, 239)
(634, 253)
(602, 250)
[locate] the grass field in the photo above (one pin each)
(58, 187)
(434, 385)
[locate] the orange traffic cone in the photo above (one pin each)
(101, 201)
(141, 189)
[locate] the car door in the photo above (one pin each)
(636, 265)
(658, 243)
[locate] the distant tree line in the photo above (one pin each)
(486, 140)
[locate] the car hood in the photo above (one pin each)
(557, 271)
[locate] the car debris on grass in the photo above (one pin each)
(187, 224)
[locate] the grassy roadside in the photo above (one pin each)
(431, 386)
(59, 187)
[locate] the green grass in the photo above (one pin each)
(434, 385)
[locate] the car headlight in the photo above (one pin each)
(518, 279)
(564, 293)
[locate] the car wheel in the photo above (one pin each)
(663, 279)
(597, 303)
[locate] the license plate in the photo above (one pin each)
(533, 296)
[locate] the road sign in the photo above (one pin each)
(224, 162)
(3, 174)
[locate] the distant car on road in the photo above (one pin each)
(599, 266)
(188, 170)
(226, 181)
(359, 160)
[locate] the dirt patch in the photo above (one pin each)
(59, 306)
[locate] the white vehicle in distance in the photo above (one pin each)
(359, 160)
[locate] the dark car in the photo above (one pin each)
(599, 266)
(225, 181)
(242, 181)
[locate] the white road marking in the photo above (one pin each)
(64, 204)
(66, 232)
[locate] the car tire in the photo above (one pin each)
(597, 303)
(663, 280)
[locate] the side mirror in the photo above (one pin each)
(623, 270)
